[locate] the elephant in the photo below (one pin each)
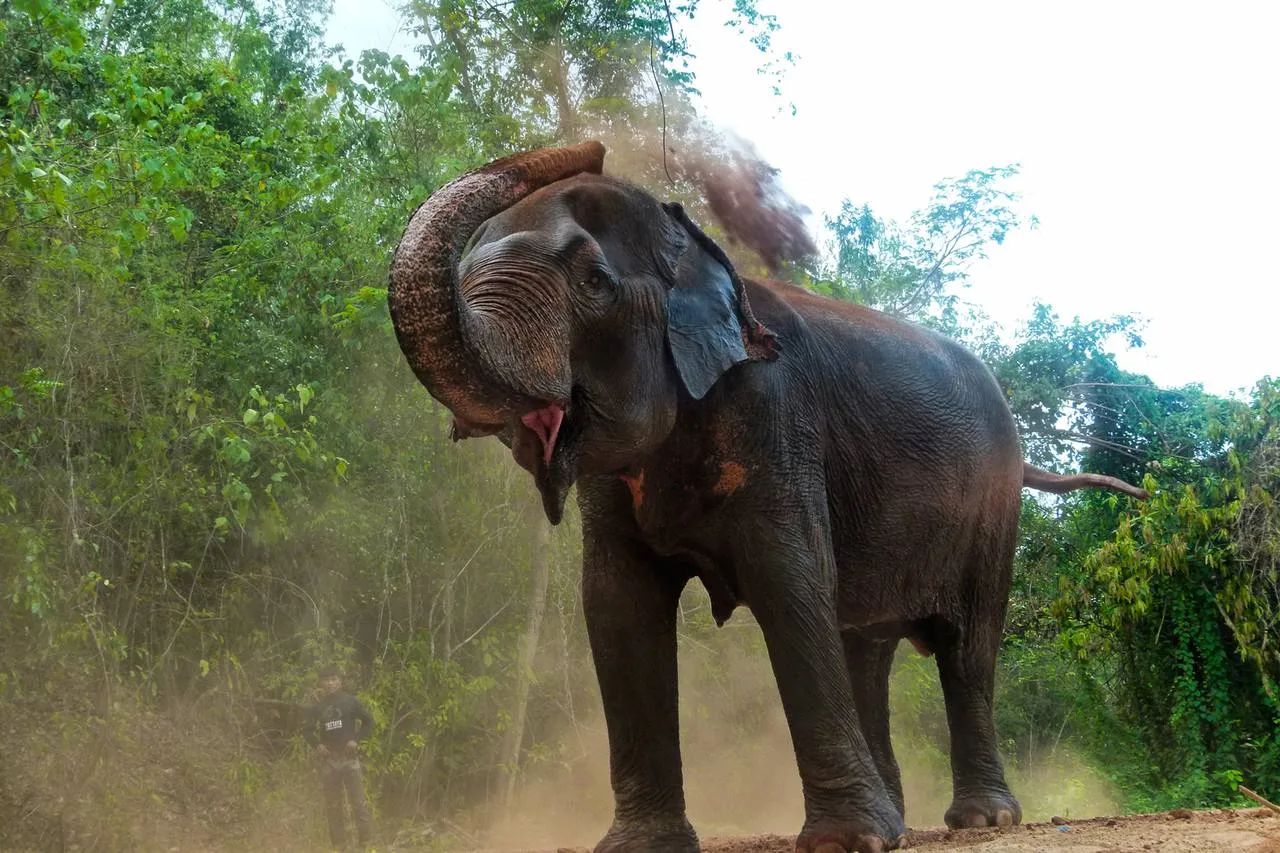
(851, 478)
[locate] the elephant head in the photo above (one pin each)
(566, 312)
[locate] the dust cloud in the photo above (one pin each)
(748, 200)
(727, 181)
(739, 769)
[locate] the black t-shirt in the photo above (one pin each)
(336, 719)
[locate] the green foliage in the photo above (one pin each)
(912, 271)
(542, 70)
(217, 475)
(1163, 613)
(1184, 599)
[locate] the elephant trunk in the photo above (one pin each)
(449, 345)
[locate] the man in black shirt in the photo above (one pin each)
(335, 726)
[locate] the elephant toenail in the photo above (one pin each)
(975, 819)
(901, 843)
(1004, 817)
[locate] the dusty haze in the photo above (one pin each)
(740, 771)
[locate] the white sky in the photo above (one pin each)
(1148, 134)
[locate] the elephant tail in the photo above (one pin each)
(1047, 481)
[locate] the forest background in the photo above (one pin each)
(217, 474)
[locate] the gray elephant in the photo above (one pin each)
(851, 478)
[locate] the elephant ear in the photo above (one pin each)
(710, 327)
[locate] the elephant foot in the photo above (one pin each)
(852, 844)
(879, 830)
(649, 836)
(998, 808)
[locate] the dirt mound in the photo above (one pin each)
(1251, 830)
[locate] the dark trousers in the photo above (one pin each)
(340, 776)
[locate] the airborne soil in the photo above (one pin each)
(1247, 830)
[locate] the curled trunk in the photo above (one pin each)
(449, 345)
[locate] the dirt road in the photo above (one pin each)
(1247, 830)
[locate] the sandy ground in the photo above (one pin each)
(1249, 830)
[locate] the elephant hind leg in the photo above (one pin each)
(981, 795)
(966, 653)
(869, 662)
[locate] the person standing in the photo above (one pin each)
(335, 726)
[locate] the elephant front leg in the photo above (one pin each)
(792, 594)
(630, 606)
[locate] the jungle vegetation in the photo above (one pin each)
(217, 474)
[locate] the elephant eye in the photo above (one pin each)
(599, 280)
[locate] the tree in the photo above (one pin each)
(1183, 602)
(912, 271)
(1162, 607)
(217, 474)
(216, 471)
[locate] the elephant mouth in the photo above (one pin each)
(545, 424)
(545, 442)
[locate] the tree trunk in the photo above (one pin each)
(567, 120)
(540, 564)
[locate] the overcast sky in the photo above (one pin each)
(1147, 133)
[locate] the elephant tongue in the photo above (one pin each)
(545, 424)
